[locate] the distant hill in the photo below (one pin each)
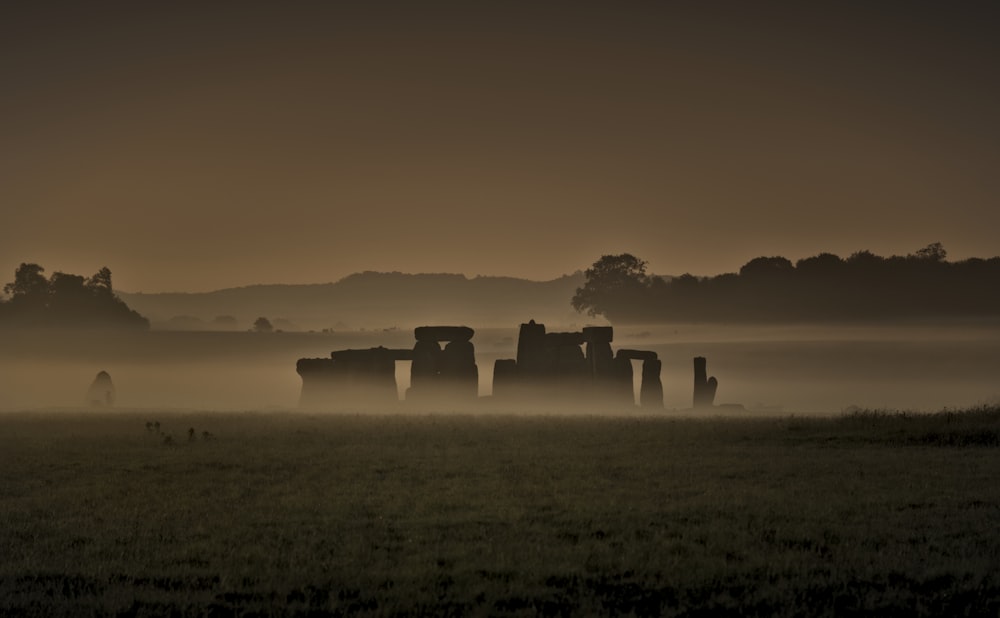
(368, 300)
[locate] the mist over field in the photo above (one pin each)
(796, 369)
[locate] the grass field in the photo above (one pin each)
(274, 514)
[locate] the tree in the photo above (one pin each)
(262, 325)
(29, 283)
(933, 252)
(617, 287)
(69, 298)
(767, 267)
(101, 282)
(66, 300)
(822, 265)
(823, 287)
(865, 259)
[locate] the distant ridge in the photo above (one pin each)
(367, 300)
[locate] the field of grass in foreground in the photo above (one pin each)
(323, 515)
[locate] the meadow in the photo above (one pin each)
(131, 513)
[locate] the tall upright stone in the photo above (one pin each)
(651, 389)
(598, 349)
(458, 366)
(426, 362)
(319, 381)
(623, 379)
(532, 357)
(704, 387)
(505, 384)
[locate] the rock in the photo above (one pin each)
(623, 386)
(458, 357)
(426, 361)
(532, 356)
(350, 376)
(504, 377)
(101, 391)
(600, 358)
(651, 389)
(372, 355)
(443, 333)
(704, 388)
(642, 355)
(555, 340)
(458, 366)
(438, 374)
(598, 334)
(569, 361)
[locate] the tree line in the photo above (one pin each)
(65, 300)
(824, 287)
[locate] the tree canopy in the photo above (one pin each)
(65, 300)
(262, 325)
(613, 284)
(824, 287)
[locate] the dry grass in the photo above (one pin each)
(289, 514)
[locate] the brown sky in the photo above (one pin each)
(193, 148)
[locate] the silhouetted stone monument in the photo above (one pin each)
(369, 375)
(704, 388)
(650, 385)
(555, 366)
(576, 368)
(448, 373)
(350, 377)
(101, 391)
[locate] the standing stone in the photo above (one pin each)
(458, 366)
(504, 378)
(532, 356)
(598, 334)
(366, 375)
(623, 382)
(101, 391)
(600, 358)
(318, 380)
(651, 389)
(569, 361)
(458, 357)
(426, 362)
(704, 388)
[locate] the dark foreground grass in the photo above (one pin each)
(294, 515)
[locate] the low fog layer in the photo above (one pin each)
(769, 369)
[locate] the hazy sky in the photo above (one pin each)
(194, 146)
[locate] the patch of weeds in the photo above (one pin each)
(976, 427)
(972, 437)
